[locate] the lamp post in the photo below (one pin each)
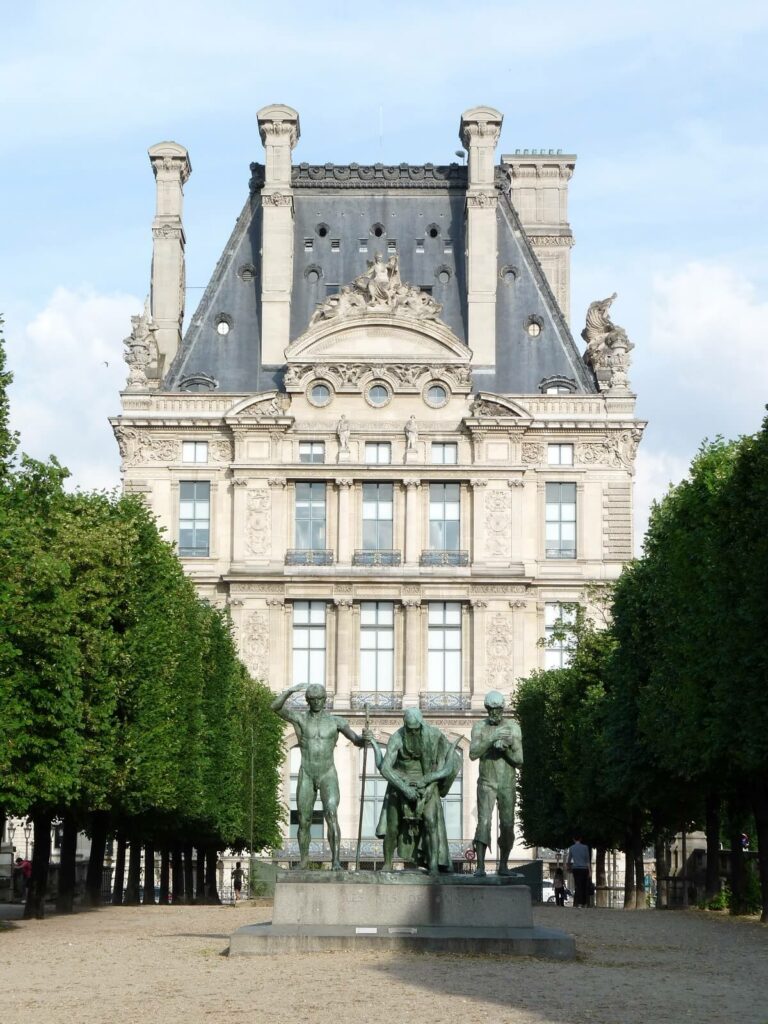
(250, 871)
(27, 834)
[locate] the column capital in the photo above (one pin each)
(478, 602)
(345, 482)
(410, 602)
(343, 602)
(277, 481)
(278, 124)
(170, 160)
(516, 481)
(411, 481)
(478, 481)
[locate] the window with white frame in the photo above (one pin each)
(309, 642)
(444, 522)
(453, 809)
(557, 618)
(560, 524)
(194, 451)
(377, 645)
(560, 454)
(445, 453)
(444, 647)
(377, 517)
(375, 788)
(316, 827)
(311, 451)
(310, 516)
(378, 453)
(194, 518)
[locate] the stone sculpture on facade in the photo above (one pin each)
(498, 745)
(342, 431)
(140, 349)
(411, 433)
(317, 732)
(419, 765)
(378, 290)
(608, 347)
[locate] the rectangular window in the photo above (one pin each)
(316, 827)
(309, 642)
(560, 454)
(377, 517)
(310, 516)
(375, 788)
(445, 453)
(335, 245)
(194, 451)
(311, 451)
(444, 647)
(377, 645)
(557, 653)
(308, 244)
(560, 525)
(378, 453)
(194, 518)
(419, 245)
(391, 245)
(444, 517)
(452, 809)
(363, 245)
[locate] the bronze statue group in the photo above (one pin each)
(419, 765)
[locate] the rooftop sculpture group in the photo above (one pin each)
(419, 765)
(608, 347)
(378, 290)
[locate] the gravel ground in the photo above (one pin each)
(168, 965)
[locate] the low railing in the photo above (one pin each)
(444, 558)
(302, 556)
(299, 700)
(370, 850)
(376, 700)
(444, 701)
(364, 557)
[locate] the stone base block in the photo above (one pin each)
(404, 910)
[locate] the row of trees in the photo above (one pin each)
(660, 722)
(124, 709)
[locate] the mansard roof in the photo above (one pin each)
(343, 216)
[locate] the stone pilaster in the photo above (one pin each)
(346, 528)
(280, 518)
(279, 130)
(345, 655)
(412, 607)
(479, 132)
(477, 675)
(478, 485)
(413, 535)
(171, 167)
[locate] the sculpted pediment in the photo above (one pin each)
(487, 405)
(378, 338)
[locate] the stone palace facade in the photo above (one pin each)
(378, 443)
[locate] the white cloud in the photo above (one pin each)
(655, 472)
(68, 369)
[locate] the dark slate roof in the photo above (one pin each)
(343, 216)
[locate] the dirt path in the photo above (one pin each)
(165, 965)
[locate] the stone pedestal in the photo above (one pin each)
(330, 910)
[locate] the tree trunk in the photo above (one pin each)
(189, 874)
(760, 806)
(149, 874)
(211, 892)
(177, 875)
(663, 866)
(712, 812)
(134, 873)
(95, 877)
(737, 873)
(65, 898)
(41, 854)
(601, 878)
(629, 874)
(200, 880)
(119, 879)
(165, 875)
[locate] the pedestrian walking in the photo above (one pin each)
(237, 881)
(578, 862)
(558, 883)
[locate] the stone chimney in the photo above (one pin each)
(479, 132)
(280, 131)
(171, 167)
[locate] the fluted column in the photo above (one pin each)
(412, 607)
(413, 537)
(345, 525)
(345, 656)
(171, 167)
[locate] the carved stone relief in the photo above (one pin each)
(255, 644)
(257, 525)
(533, 453)
(498, 523)
(138, 446)
(498, 644)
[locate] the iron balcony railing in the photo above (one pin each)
(308, 556)
(376, 700)
(299, 700)
(444, 701)
(440, 558)
(364, 557)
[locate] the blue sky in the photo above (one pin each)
(665, 105)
